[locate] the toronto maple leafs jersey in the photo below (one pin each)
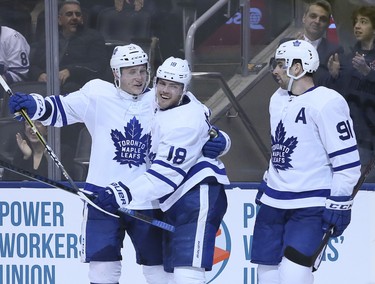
(119, 125)
(14, 55)
(314, 150)
(178, 135)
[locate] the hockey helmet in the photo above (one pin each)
(176, 70)
(298, 49)
(127, 56)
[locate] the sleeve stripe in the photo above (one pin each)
(54, 114)
(166, 165)
(347, 166)
(61, 109)
(162, 178)
(343, 151)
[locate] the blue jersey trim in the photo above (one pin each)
(288, 195)
(164, 164)
(61, 109)
(162, 178)
(54, 114)
(343, 151)
(347, 166)
(202, 165)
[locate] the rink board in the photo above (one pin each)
(40, 235)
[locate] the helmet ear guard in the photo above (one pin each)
(298, 50)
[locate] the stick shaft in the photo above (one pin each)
(82, 194)
(87, 197)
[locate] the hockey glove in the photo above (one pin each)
(215, 146)
(114, 196)
(33, 104)
(337, 214)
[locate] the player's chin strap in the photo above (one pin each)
(87, 196)
(292, 78)
(291, 81)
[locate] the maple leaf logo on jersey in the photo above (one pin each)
(131, 148)
(282, 148)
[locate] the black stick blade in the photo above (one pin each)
(297, 257)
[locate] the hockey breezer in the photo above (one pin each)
(314, 260)
(87, 196)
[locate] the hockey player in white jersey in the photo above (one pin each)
(118, 117)
(14, 55)
(189, 186)
(313, 169)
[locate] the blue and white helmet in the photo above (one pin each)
(298, 49)
(176, 70)
(127, 56)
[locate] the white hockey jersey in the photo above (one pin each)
(314, 152)
(119, 125)
(14, 55)
(178, 135)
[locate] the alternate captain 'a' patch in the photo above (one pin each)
(131, 146)
(282, 148)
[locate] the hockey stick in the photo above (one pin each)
(315, 259)
(50, 151)
(87, 196)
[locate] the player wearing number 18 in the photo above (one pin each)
(313, 169)
(189, 186)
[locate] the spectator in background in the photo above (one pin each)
(126, 22)
(136, 5)
(30, 154)
(167, 21)
(358, 80)
(14, 55)
(342, 11)
(82, 51)
(316, 21)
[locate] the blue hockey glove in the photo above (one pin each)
(215, 146)
(33, 104)
(114, 196)
(337, 214)
(262, 187)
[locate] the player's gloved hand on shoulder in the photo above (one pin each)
(33, 104)
(337, 214)
(262, 187)
(215, 145)
(114, 196)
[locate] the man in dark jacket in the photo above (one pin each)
(316, 20)
(82, 51)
